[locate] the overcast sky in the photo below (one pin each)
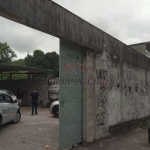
(126, 20)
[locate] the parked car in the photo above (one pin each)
(9, 109)
(54, 96)
(54, 109)
(9, 93)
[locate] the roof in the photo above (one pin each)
(146, 43)
(22, 69)
(139, 43)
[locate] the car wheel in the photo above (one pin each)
(56, 111)
(17, 118)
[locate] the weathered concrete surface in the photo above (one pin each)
(32, 132)
(118, 92)
(136, 140)
(122, 93)
(49, 17)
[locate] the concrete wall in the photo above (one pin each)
(122, 93)
(28, 85)
(49, 17)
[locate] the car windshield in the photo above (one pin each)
(10, 93)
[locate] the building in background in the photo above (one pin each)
(143, 48)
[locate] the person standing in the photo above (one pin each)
(20, 95)
(18, 90)
(34, 101)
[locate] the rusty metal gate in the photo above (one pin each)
(70, 113)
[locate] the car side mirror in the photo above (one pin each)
(14, 101)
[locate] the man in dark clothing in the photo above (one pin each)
(34, 101)
(20, 95)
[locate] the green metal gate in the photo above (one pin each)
(70, 94)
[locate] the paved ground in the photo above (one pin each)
(35, 132)
(137, 140)
(32, 132)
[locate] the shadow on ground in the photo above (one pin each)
(136, 140)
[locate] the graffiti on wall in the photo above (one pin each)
(130, 82)
(101, 99)
(134, 84)
(101, 76)
(107, 81)
(101, 104)
(111, 82)
(105, 57)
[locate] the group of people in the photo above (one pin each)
(34, 99)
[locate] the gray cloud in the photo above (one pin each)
(126, 20)
(25, 40)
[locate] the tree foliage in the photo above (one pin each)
(19, 62)
(49, 60)
(39, 59)
(6, 53)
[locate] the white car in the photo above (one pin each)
(9, 93)
(54, 109)
(9, 109)
(54, 95)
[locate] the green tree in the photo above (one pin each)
(19, 62)
(53, 62)
(29, 61)
(38, 58)
(49, 60)
(6, 53)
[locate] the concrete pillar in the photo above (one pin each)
(88, 102)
